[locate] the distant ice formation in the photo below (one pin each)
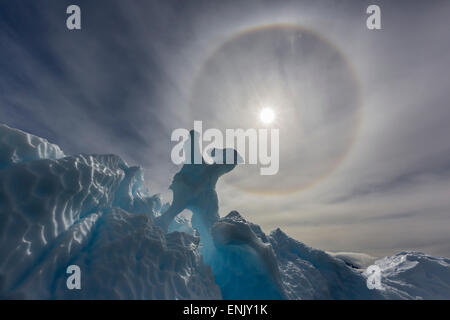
(95, 212)
(355, 260)
(415, 275)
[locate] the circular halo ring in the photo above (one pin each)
(358, 95)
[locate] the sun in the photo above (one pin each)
(267, 115)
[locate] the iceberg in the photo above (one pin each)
(95, 212)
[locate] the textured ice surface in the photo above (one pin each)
(18, 146)
(310, 273)
(414, 275)
(94, 211)
(182, 223)
(244, 264)
(280, 267)
(90, 210)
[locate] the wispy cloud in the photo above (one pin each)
(124, 82)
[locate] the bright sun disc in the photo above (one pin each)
(267, 115)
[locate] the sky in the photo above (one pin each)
(363, 114)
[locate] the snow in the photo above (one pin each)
(94, 211)
(415, 275)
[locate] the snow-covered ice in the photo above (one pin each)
(415, 275)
